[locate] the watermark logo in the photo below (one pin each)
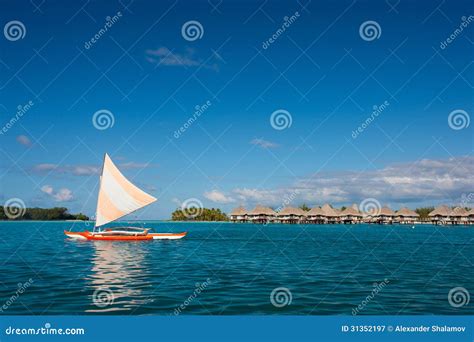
(370, 30)
(370, 206)
(199, 110)
(192, 30)
(21, 289)
(281, 119)
(458, 297)
(287, 22)
(376, 111)
(103, 297)
(14, 30)
(377, 288)
(458, 119)
(21, 110)
(192, 207)
(103, 119)
(280, 297)
(465, 21)
(109, 22)
(14, 208)
(199, 288)
(466, 199)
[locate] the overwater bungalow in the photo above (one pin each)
(291, 215)
(406, 216)
(385, 216)
(261, 214)
(238, 215)
(350, 215)
(470, 216)
(316, 215)
(458, 216)
(332, 215)
(440, 215)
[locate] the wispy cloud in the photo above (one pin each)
(218, 197)
(82, 170)
(263, 143)
(62, 195)
(424, 181)
(166, 57)
(24, 140)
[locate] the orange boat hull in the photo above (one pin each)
(150, 236)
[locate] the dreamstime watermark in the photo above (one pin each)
(466, 199)
(377, 110)
(199, 110)
(21, 289)
(21, 110)
(458, 119)
(377, 288)
(109, 22)
(281, 119)
(280, 297)
(192, 30)
(464, 24)
(199, 288)
(287, 22)
(192, 207)
(103, 119)
(370, 30)
(14, 30)
(287, 199)
(103, 297)
(46, 330)
(14, 208)
(370, 207)
(458, 297)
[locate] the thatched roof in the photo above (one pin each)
(239, 211)
(352, 211)
(316, 211)
(459, 212)
(261, 210)
(329, 211)
(441, 211)
(291, 211)
(386, 211)
(470, 212)
(407, 213)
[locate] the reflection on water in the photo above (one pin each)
(118, 279)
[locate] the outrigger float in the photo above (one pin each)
(119, 197)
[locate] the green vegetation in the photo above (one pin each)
(423, 212)
(198, 214)
(38, 214)
(304, 207)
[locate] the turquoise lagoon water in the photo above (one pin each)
(229, 269)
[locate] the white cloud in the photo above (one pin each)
(83, 170)
(263, 143)
(218, 197)
(47, 189)
(24, 140)
(63, 195)
(166, 57)
(423, 181)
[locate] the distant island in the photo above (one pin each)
(198, 214)
(38, 214)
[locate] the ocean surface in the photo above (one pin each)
(231, 269)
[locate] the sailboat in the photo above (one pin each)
(119, 197)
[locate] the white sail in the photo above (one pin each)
(117, 195)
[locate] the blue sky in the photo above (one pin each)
(319, 69)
